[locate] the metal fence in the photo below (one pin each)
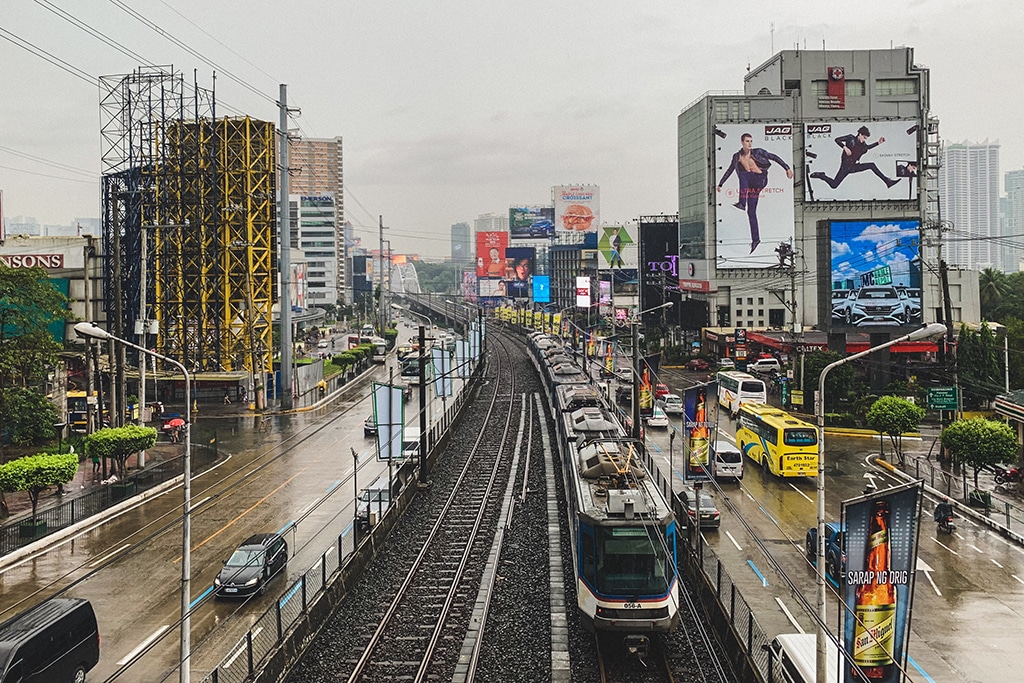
(77, 507)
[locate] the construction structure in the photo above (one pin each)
(189, 223)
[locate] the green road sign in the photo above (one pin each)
(942, 398)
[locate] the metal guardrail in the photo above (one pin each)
(75, 508)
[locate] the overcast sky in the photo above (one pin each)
(450, 108)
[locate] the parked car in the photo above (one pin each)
(726, 364)
(877, 306)
(370, 426)
(624, 374)
(661, 390)
(258, 560)
(658, 418)
(710, 517)
(697, 364)
(672, 404)
(765, 366)
(56, 640)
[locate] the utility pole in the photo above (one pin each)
(380, 276)
(285, 261)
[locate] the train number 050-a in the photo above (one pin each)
(631, 605)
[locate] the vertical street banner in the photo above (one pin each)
(474, 340)
(881, 556)
(609, 358)
(646, 395)
(389, 414)
(462, 358)
(697, 430)
(442, 361)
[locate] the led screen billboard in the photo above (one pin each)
(754, 193)
(519, 266)
(875, 276)
(861, 160)
(531, 222)
(490, 254)
(541, 289)
(577, 208)
(659, 269)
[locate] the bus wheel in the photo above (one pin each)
(764, 463)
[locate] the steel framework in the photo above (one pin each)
(201, 193)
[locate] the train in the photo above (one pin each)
(623, 530)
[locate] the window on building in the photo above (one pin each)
(760, 312)
(750, 312)
(895, 86)
(854, 88)
(760, 301)
(739, 300)
(750, 300)
(776, 317)
(792, 86)
(739, 323)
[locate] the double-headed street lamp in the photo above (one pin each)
(89, 330)
(932, 330)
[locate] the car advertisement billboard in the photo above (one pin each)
(617, 246)
(754, 193)
(490, 254)
(519, 267)
(881, 556)
(861, 160)
(531, 222)
(697, 430)
(875, 274)
(577, 208)
(541, 289)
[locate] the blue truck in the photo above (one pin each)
(835, 550)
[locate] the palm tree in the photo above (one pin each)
(992, 287)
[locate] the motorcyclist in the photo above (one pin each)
(943, 510)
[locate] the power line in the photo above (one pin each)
(34, 49)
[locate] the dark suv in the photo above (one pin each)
(259, 559)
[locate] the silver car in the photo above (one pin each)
(877, 306)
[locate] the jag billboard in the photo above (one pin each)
(754, 193)
(875, 276)
(861, 160)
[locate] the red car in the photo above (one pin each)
(661, 390)
(697, 364)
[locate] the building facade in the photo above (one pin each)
(783, 187)
(969, 188)
(1014, 217)
(462, 243)
(315, 232)
(317, 168)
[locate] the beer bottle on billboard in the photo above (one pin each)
(874, 631)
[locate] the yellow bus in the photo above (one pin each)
(783, 444)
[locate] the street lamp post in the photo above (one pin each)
(932, 330)
(89, 330)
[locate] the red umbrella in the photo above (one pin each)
(176, 422)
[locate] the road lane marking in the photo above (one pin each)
(733, 541)
(764, 581)
(800, 492)
(1019, 580)
(971, 545)
(993, 560)
(925, 569)
(241, 648)
(143, 645)
(914, 664)
(286, 527)
(789, 615)
(109, 555)
(945, 546)
(336, 484)
(201, 597)
(197, 505)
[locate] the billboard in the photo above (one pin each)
(389, 416)
(754, 204)
(469, 288)
(577, 208)
(582, 291)
(531, 222)
(697, 430)
(881, 556)
(617, 246)
(490, 254)
(659, 269)
(491, 287)
(519, 266)
(861, 160)
(541, 289)
(875, 277)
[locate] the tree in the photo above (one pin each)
(894, 415)
(992, 288)
(28, 305)
(978, 362)
(981, 443)
(34, 473)
(30, 416)
(118, 443)
(837, 384)
(1015, 343)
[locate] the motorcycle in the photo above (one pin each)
(1011, 475)
(946, 525)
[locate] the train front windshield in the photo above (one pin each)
(633, 561)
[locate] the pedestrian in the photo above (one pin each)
(227, 397)
(95, 464)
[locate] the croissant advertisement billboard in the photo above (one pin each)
(577, 208)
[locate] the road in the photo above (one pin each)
(969, 593)
(296, 478)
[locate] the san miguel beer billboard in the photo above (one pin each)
(881, 555)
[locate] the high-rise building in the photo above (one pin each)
(490, 222)
(804, 189)
(462, 243)
(315, 233)
(969, 191)
(317, 168)
(1013, 181)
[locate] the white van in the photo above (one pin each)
(794, 659)
(672, 404)
(727, 461)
